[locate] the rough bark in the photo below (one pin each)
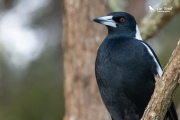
(154, 21)
(165, 88)
(81, 40)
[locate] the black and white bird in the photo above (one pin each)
(125, 69)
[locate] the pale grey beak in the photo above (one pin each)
(106, 20)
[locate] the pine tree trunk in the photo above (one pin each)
(81, 40)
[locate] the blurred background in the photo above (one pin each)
(31, 75)
(31, 56)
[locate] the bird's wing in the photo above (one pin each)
(156, 60)
(171, 114)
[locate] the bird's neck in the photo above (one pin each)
(119, 33)
(120, 36)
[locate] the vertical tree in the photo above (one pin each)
(81, 40)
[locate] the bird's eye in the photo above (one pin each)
(122, 20)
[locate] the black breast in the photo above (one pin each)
(125, 76)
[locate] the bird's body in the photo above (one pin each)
(117, 73)
(125, 70)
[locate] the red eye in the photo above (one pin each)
(122, 20)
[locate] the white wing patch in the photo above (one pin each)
(138, 35)
(158, 68)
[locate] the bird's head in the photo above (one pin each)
(120, 23)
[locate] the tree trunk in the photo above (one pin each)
(81, 40)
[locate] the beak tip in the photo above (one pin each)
(95, 20)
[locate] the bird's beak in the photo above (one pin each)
(106, 20)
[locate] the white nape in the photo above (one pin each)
(158, 68)
(138, 35)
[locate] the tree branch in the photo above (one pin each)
(165, 88)
(166, 85)
(154, 21)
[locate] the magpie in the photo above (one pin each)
(125, 69)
